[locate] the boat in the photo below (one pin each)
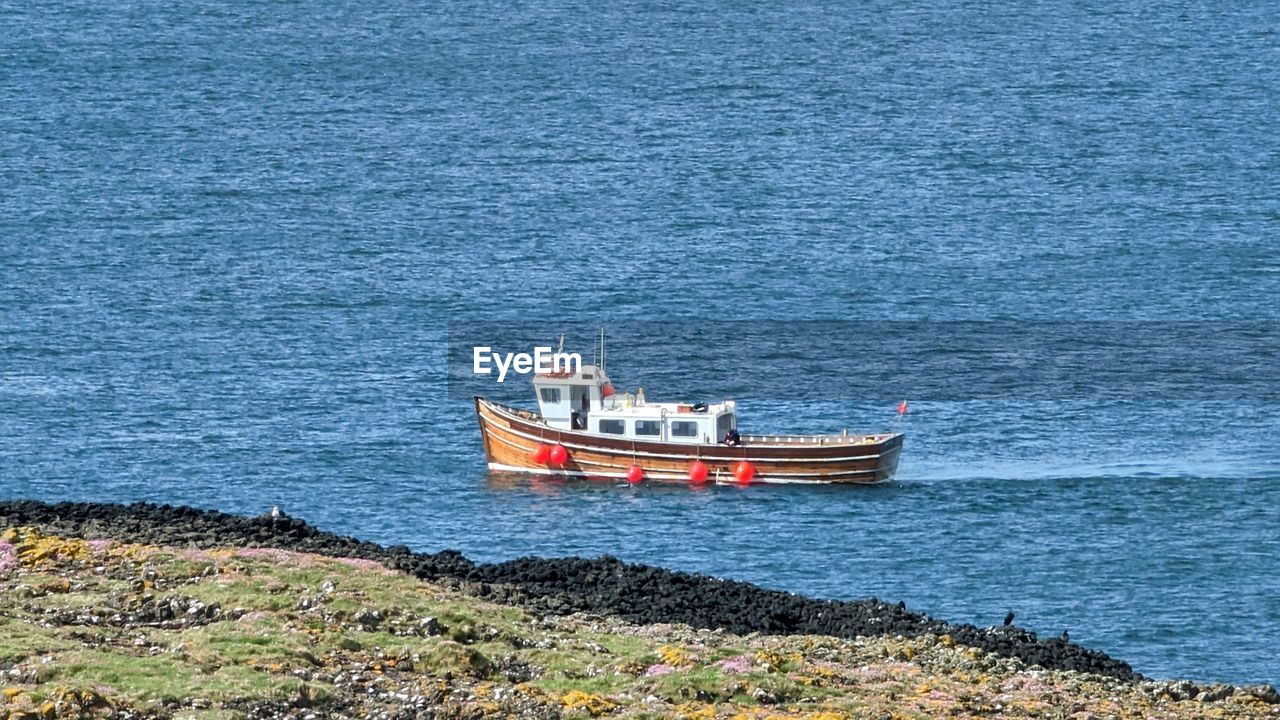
(584, 429)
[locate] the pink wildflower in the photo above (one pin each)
(8, 555)
(736, 664)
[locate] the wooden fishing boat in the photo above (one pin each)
(584, 429)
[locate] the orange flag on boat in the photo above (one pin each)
(902, 408)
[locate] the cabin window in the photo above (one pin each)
(550, 395)
(724, 424)
(684, 428)
(648, 427)
(611, 427)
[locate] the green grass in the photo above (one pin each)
(20, 640)
(142, 678)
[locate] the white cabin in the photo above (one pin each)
(585, 401)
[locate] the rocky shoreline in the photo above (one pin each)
(562, 591)
(606, 586)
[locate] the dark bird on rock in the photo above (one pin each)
(1065, 636)
(1008, 620)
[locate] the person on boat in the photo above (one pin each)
(731, 438)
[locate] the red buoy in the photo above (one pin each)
(745, 472)
(698, 472)
(541, 454)
(606, 390)
(635, 474)
(559, 455)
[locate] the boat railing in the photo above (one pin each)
(518, 412)
(811, 439)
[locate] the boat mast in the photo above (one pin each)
(602, 372)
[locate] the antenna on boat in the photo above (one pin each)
(560, 349)
(602, 372)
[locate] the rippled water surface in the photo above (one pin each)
(233, 237)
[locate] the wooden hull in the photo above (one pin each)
(511, 435)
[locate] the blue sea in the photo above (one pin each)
(234, 237)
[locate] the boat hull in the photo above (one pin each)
(511, 436)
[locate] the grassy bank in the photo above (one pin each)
(96, 628)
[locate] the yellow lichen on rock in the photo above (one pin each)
(695, 711)
(675, 656)
(130, 551)
(818, 676)
(593, 705)
(774, 660)
(35, 548)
